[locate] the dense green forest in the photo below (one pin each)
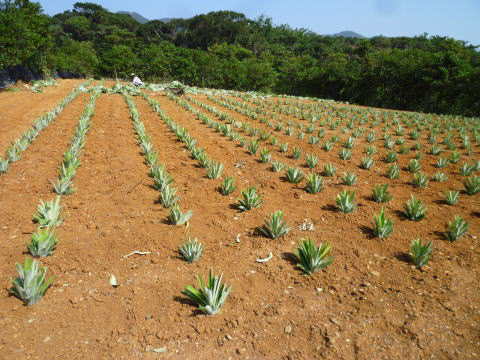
(227, 50)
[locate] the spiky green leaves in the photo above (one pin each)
(294, 175)
(415, 209)
(210, 295)
(31, 283)
(191, 250)
(250, 199)
(3, 166)
(456, 228)
(43, 243)
(274, 226)
(314, 183)
(349, 178)
(311, 257)
(346, 201)
(383, 226)
(380, 194)
(472, 185)
(177, 217)
(228, 186)
(48, 213)
(420, 253)
(214, 170)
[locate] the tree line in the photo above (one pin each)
(225, 49)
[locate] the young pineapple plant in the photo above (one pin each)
(349, 178)
(452, 197)
(454, 157)
(327, 146)
(420, 253)
(367, 163)
(441, 163)
(467, 169)
(177, 217)
(346, 201)
(383, 226)
(415, 209)
(380, 194)
(329, 170)
(250, 199)
(277, 166)
(63, 186)
(393, 172)
(296, 153)
(294, 175)
(391, 157)
(31, 284)
(456, 228)
(168, 197)
(265, 156)
(284, 148)
(210, 295)
(3, 166)
(48, 213)
(414, 166)
(311, 257)
(420, 180)
(43, 243)
(439, 177)
(274, 226)
(345, 154)
(228, 186)
(214, 170)
(370, 150)
(253, 147)
(472, 185)
(191, 250)
(311, 161)
(314, 183)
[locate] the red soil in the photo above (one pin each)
(19, 109)
(369, 304)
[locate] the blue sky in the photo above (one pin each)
(454, 18)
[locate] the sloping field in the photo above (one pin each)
(371, 302)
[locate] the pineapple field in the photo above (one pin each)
(177, 222)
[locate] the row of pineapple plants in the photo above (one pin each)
(214, 169)
(71, 158)
(355, 127)
(395, 125)
(314, 181)
(415, 210)
(14, 151)
(163, 181)
(418, 180)
(32, 282)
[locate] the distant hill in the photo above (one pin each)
(165, 20)
(349, 34)
(136, 16)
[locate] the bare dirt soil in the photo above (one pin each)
(369, 304)
(18, 109)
